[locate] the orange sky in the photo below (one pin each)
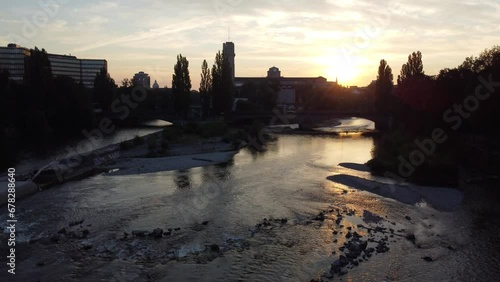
(344, 39)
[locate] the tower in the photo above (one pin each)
(228, 51)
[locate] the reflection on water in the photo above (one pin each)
(349, 125)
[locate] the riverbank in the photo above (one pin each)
(173, 148)
(423, 161)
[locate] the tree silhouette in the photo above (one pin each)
(181, 85)
(205, 87)
(383, 90)
(413, 68)
(104, 88)
(39, 73)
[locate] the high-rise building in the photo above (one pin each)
(142, 79)
(63, 65)
(13, 59)
(229, 52)
(90, 68)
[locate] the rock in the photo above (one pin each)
(408, 218)
(320, 217)
(72, 235)
(343, 260)
(284, 220)
(55, 238)
(62, 231)
(356, 235)
(343, 272)
(369, 250)
(352, 255)
(338, 220)
(335, 232)
(170, 229)
(363, 245)
(157, 233)
(204, 223)
(354, 247)
(348, 235)
(139, 233)
(428, 259)
(327, 275)
(87, 247)
(336, 267)
(177, 229)
(74, 223)
(355, 262)
(411, 237)
(85, 232)
(167, 233)
(349, 228)
(382, 247)
(214, 248)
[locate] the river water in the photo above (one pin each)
(220, 206)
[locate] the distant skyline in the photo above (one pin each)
(344, 39)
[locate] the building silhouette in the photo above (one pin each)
(14, 59)
(142, 79)
(229, 52)
(288, 86)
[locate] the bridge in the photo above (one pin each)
(382, 122)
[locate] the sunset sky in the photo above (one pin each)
(327, 38)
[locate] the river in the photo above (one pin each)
(213, 213)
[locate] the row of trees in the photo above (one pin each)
(216, 85)
(420, 100)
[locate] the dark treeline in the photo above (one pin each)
(42, 109)
(462, 103)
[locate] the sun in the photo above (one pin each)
(343, 69)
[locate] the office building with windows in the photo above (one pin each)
(89, 69)
(14, 59)
(63, 65)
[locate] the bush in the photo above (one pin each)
(213, 129)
